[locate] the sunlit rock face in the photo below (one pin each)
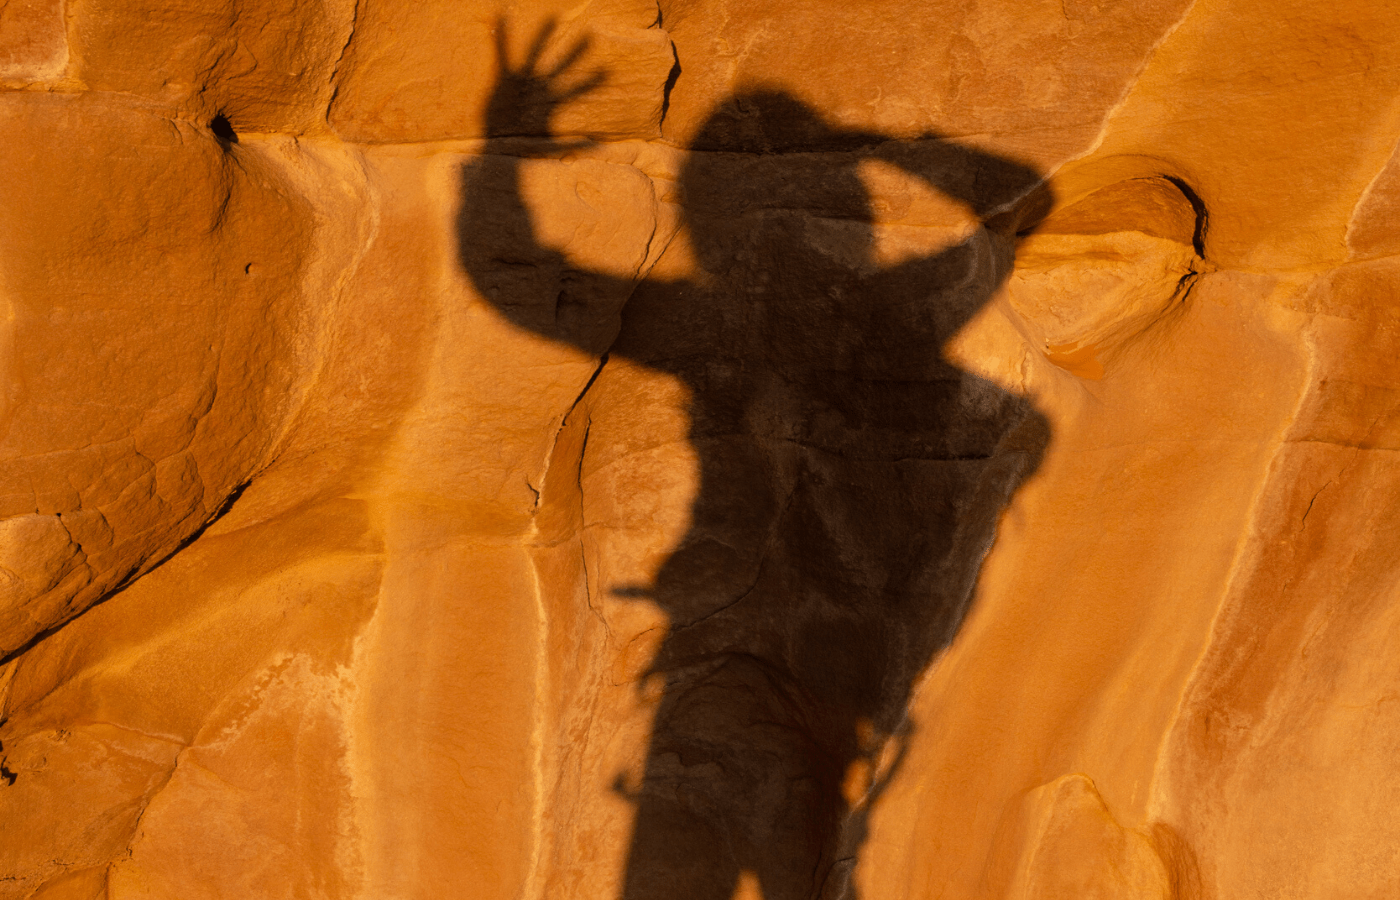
(698, 450)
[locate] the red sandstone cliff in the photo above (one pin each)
(698, 450)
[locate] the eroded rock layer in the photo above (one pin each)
(698, 449)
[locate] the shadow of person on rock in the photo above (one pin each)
(851, 478)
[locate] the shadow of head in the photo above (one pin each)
(763, 153)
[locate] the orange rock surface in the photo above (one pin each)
(699, 450)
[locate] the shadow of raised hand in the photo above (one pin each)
(525, 97)
(533, 284)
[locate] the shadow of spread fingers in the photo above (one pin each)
(579, 48)
(500, 33)
(592, 83)
(532, 58)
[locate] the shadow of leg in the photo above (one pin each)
(734, 783)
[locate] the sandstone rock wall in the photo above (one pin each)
(697, 449)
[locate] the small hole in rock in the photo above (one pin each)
(223, 129)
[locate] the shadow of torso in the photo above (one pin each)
(850, 483)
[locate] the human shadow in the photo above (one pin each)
(850, 477)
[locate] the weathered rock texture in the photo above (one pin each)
(699, 449)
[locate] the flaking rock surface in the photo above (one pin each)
(698, 449)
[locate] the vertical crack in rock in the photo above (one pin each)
(340, 58)
(660, 24)
(1315, 495)
(598, 370)
(588, 586)
(671, 78)
(1198, 206)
